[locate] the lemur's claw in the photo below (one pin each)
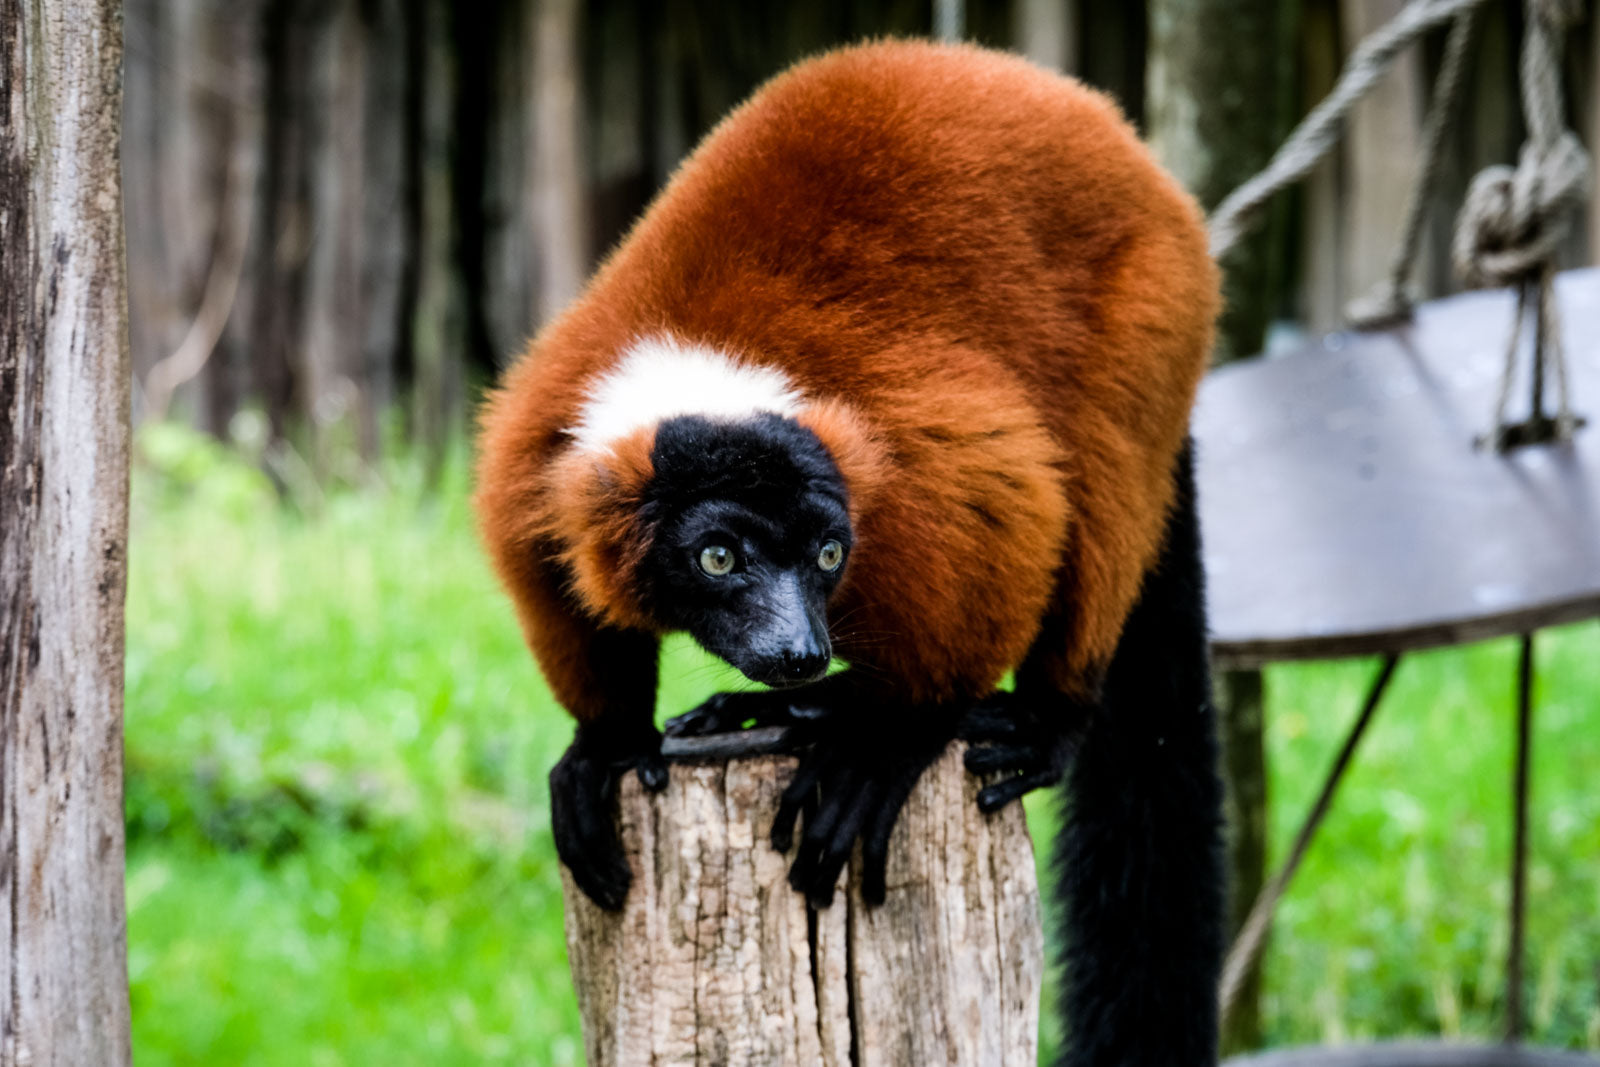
(653, 772)
(1032, 744)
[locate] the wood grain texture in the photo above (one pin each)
(63, 536)
(715, 960)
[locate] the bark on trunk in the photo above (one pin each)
(716, 960)
(63, 535)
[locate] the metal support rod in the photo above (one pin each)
(1536, 404)
(1252, 935)
(1519, 842)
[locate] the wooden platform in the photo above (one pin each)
(1346, 510)
(1417, 1054)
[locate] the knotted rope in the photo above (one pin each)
(1514, 219)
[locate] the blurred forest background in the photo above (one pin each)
(344, 215)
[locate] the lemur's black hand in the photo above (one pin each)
(726, 712)
(583, 789)
(1029, 739)
(851, 783)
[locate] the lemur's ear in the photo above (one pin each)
(861, 457)
(594, 501)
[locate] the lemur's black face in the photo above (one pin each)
(752, 536)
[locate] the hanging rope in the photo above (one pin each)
(1514, 219)
(1390, 300)
(1317, 134)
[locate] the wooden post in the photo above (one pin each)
(716, 960)
(63, 535)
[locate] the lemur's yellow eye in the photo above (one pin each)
(716, 560)
(831, 556)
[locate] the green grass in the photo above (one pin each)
(339, 846)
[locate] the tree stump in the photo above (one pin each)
(716, 960)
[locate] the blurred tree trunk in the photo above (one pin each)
(387, 180)
(558, 165)
(1116, 51)
(535, 199)
(1589, 108)
(1379, 154)
(333, 399)
(1217, 106)
(1046, 31)
(63, 535)
(438, 325)
(1319, 255)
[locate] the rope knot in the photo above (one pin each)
(1513, 219)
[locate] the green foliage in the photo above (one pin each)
(339, 846)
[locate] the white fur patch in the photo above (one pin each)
(660, 378)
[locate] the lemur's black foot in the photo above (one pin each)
(725, 712)
(851, 784)
(1018, 736)
(583, 789)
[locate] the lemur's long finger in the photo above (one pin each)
(985, 759)
(992, 798)
(838, 795)
(875, 837)
(800, 790)
(835, 853)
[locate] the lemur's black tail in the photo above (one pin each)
(1140, 860)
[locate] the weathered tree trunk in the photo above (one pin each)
(716, 960)
(1218, 103)
(63, 535)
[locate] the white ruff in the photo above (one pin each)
(659, 378)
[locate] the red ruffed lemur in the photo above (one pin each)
(897, 369)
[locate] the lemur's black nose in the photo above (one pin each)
(805, 659)
(803, 663)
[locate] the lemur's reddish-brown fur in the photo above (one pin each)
(995, 301)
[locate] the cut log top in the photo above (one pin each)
(1346, 511)
(715, 960)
